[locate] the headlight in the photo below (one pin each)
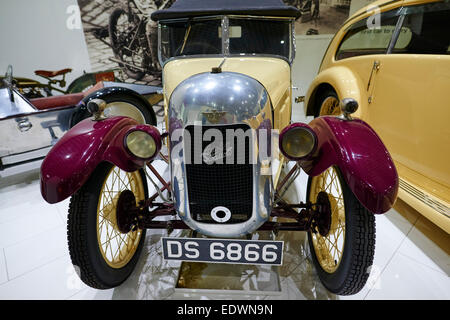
(141, 144)
(297, 141)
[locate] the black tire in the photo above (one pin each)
(358, 250)
(117, 46)
(82, 235)
(321, 97)
(82, 83)
(149, 115)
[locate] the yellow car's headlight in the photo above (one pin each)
(297, 141)
(141, 144)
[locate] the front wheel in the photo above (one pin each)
(104, 249)
(327, 103)
(343, 251)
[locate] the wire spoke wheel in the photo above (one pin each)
(117, 248)
(104, 241)
(330, 106)
(342, 249)
(329, 248)
(127, 40)
(130, 50)
(327, 103)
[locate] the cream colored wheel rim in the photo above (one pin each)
(125, 109)
(117, 248)
(329, 249)
(330, 106)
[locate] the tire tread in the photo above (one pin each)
(77, 240)
(359, 248)
(363, 253)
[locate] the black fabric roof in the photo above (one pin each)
(195, 8)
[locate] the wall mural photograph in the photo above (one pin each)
(120, 35)
(320, 16)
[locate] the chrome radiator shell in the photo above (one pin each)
(219, 99)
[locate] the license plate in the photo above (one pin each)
(223, 250)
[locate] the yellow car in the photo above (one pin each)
(393, 58)
(227, 100)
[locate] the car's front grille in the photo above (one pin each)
(213, 185)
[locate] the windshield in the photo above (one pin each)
(190, 38)
(245, 37)
(269, 37)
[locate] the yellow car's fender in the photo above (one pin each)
(342, 80)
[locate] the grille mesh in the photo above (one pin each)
(213, 185)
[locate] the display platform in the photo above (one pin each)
(210, 278)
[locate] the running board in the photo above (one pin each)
(431, 202)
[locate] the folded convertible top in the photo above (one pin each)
(196, 8)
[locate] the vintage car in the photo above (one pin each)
(30, 127)
(393, 57)
(227, 101)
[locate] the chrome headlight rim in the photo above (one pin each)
(151, 132)
(289, 130)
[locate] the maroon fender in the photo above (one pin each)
(74, 157)
(364, 161)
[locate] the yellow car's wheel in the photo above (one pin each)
(104, 242)
(342, 249)
(327, 104)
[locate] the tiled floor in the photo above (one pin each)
(411, 260)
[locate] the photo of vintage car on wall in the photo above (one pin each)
(228, 131)
(398, 71)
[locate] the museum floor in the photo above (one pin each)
(411, 260)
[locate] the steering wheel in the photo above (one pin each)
(8, 82)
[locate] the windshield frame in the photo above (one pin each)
(225, 52)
